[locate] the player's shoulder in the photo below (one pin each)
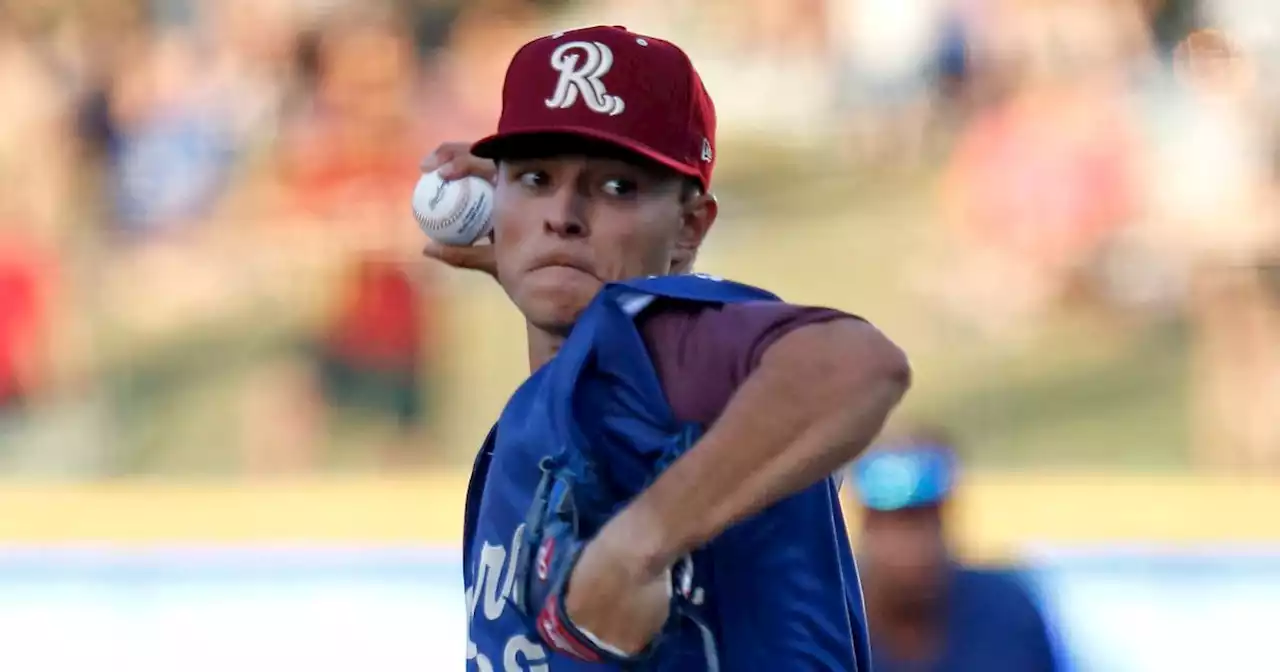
(702, 297)
(1007, 588)
(712, 316)
(695, 314)
(697, 287)
(737, 333)
(1006, 579)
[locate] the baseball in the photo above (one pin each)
(456, 212)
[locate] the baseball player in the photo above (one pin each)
(658, 494)
(930, 611)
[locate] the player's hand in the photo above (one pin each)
(454, 160)
(612, 597)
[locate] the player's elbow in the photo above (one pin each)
(848, 358)
(893, 363)
(864, 357)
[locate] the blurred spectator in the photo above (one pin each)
(463, 80)
(174, 146)
(886, 57)
(259, 154)
(35, 166)
(1040, 182)
(926, 611)
(251, 47)
(348, 164)
(187, 106)
(954, 58)
(35, 182)
(778, 29)
(1211, 223)
(26, 279)
(1171, 20)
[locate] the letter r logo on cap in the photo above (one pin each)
(581, 64)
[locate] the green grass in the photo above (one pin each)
(1124, 409)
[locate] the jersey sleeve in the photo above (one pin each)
(703, 353)
(780, 587)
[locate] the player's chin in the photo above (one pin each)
(555, 308)
(557, 319)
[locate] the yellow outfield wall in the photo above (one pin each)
(995, 514)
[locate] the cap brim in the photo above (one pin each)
(559, 139)
(903, 505)
(890, 480)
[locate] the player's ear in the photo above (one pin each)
(698, 214)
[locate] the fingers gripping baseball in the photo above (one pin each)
(455, 161)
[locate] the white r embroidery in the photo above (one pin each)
(581, 65)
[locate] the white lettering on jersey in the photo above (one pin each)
(494, 585)
(581, 65)
(482, 662)
(521, 648)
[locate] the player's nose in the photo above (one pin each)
(566, 228)
(565, 215)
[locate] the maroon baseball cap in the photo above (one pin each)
(608, 84)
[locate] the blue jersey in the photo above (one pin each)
(992, 625)
(781, 589)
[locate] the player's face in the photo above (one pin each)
(903, 551)
(565, 225)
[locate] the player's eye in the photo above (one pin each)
(534, 179)
(620, 187)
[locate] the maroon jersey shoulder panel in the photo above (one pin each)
(702, 353)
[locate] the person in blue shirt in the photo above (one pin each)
(927, 611)
(602, 164)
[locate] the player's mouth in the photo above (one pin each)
(565, 263)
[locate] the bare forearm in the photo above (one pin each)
(819, 397)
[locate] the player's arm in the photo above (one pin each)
(811, 401)
(818, 397)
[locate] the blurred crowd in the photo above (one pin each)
(1115, 156)
(204, 239)
(196, 182)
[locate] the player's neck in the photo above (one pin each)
(543, 345)
(920, 640)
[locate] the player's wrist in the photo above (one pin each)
(645, 539)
